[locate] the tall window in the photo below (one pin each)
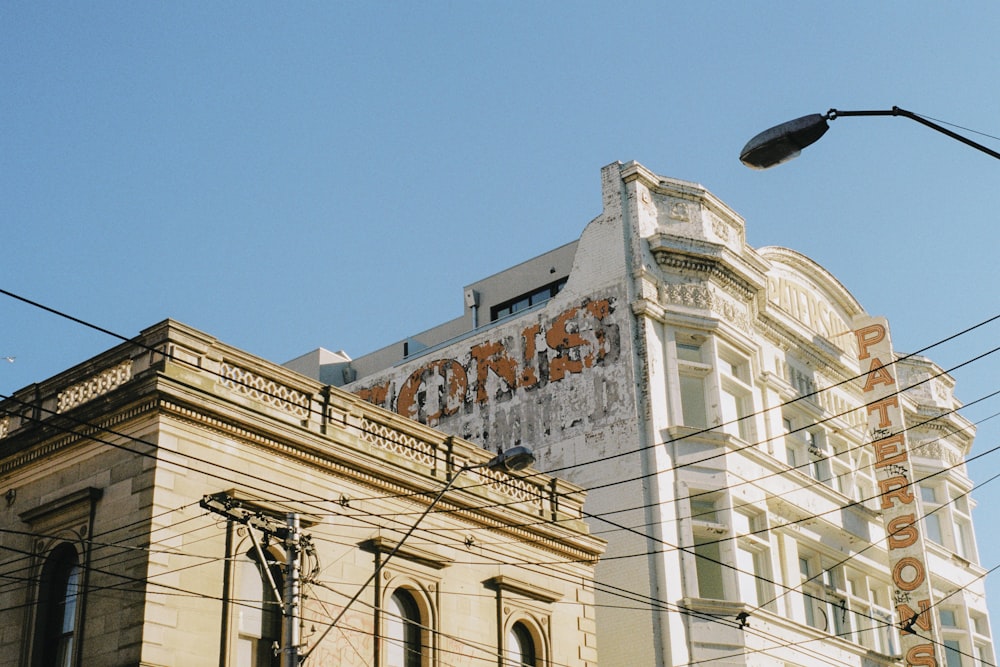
(981, 640)
(952, 653)
(403, 631)
(705, 529)
(692, 373)
(824, 597)
(864, 481)
(840, 463)
(946, 518)
(871, 617)
(952, 632)
(258, 615)
(752, 559)
(736, 396)
(55, 636)
(521, 647)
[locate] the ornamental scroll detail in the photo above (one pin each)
(265, 390)
(95, 386)
(703, 297)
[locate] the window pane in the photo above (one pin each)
(746, 563)
(693, 402)
(69, 610)
(734, 409)
(60, 588)
(688, 352)
(886, 633)
(838, 612)
(258, 616)
(520, 647)
(952, 653)
(709, 570)
(961, 541)
(730, 413)
(402, 631)
(703, 509)
(933, 524)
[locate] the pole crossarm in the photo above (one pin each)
(225, 505)
(294, 542)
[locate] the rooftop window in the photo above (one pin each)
(525, 301)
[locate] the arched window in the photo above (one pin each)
(55, 635)
(403, 631)
(520, 646)
(258, 615)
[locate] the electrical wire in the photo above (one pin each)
(125, 339)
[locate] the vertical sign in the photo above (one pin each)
(894, 475)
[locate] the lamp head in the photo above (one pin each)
(783, 142)
(512, 460)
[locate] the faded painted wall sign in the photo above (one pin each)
(806, 304)
(510, 363)
(887, 434)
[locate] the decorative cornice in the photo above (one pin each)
(88, 432)
(384, 545)
(519, 587)
(672, 259)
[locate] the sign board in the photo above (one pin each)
(886, 434)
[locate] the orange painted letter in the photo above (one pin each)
(868, 336)
(902, 531)
(921, 655)
(877, 374)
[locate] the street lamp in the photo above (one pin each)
(783, 142)
(511, 460)
(773, 147)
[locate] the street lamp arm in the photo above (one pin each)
(832, 114)
(783, 142)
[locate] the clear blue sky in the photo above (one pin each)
(290, 176)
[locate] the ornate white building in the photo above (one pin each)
(712, 398)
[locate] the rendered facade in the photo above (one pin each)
(762, 505)
(144, 492)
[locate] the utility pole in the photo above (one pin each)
(290, 611)
(292, 539)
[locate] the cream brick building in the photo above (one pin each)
(108, 557)
(711, 396)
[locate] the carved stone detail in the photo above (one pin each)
(95, 386)
(692, 296)
(937, 450)
(265, 390)
(721, 229)
(679, 211)
(4, 426)
(703, 297)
